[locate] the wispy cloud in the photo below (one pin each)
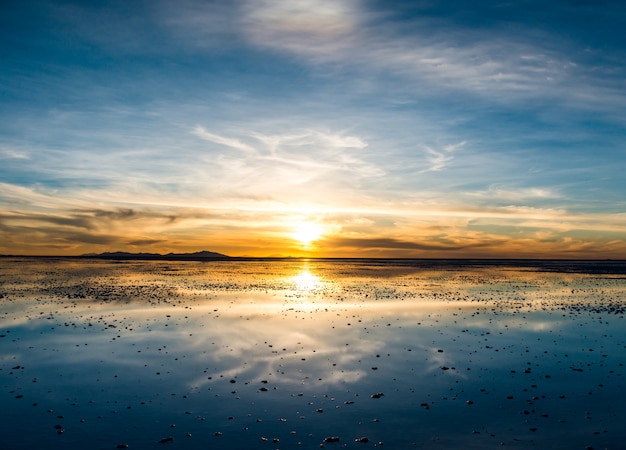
(316, 28)
(9, 153)
(397, 244)
(296, 166)
(228, 142)
(497, 193)
(352, 36)
(440, 159)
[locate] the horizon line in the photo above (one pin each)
(222, 257)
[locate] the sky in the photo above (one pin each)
(320, 128)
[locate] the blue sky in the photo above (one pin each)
(409, 128)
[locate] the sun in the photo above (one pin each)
(307, 232)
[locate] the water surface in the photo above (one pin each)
(289, 354)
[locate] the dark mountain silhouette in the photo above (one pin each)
(196, 256)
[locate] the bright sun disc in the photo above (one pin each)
(307, 233)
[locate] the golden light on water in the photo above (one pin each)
(306, 281)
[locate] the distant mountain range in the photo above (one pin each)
(196, 256)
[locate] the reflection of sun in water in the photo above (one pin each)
(306, 281)
(307, 232)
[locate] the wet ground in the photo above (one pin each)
(297, 354)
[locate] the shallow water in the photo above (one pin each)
(287, 354)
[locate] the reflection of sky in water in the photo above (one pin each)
(295, 352)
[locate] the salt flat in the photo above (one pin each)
(303, 354)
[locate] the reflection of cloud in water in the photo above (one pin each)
(520, 323)
(285, 349)
(438, 359)
(199, 338)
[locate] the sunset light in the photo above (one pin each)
(306, 281)
(220, 219)
(306, 233)
(313, 128)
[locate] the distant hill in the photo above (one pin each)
(196, 256)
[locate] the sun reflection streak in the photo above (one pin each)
(306, 281)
